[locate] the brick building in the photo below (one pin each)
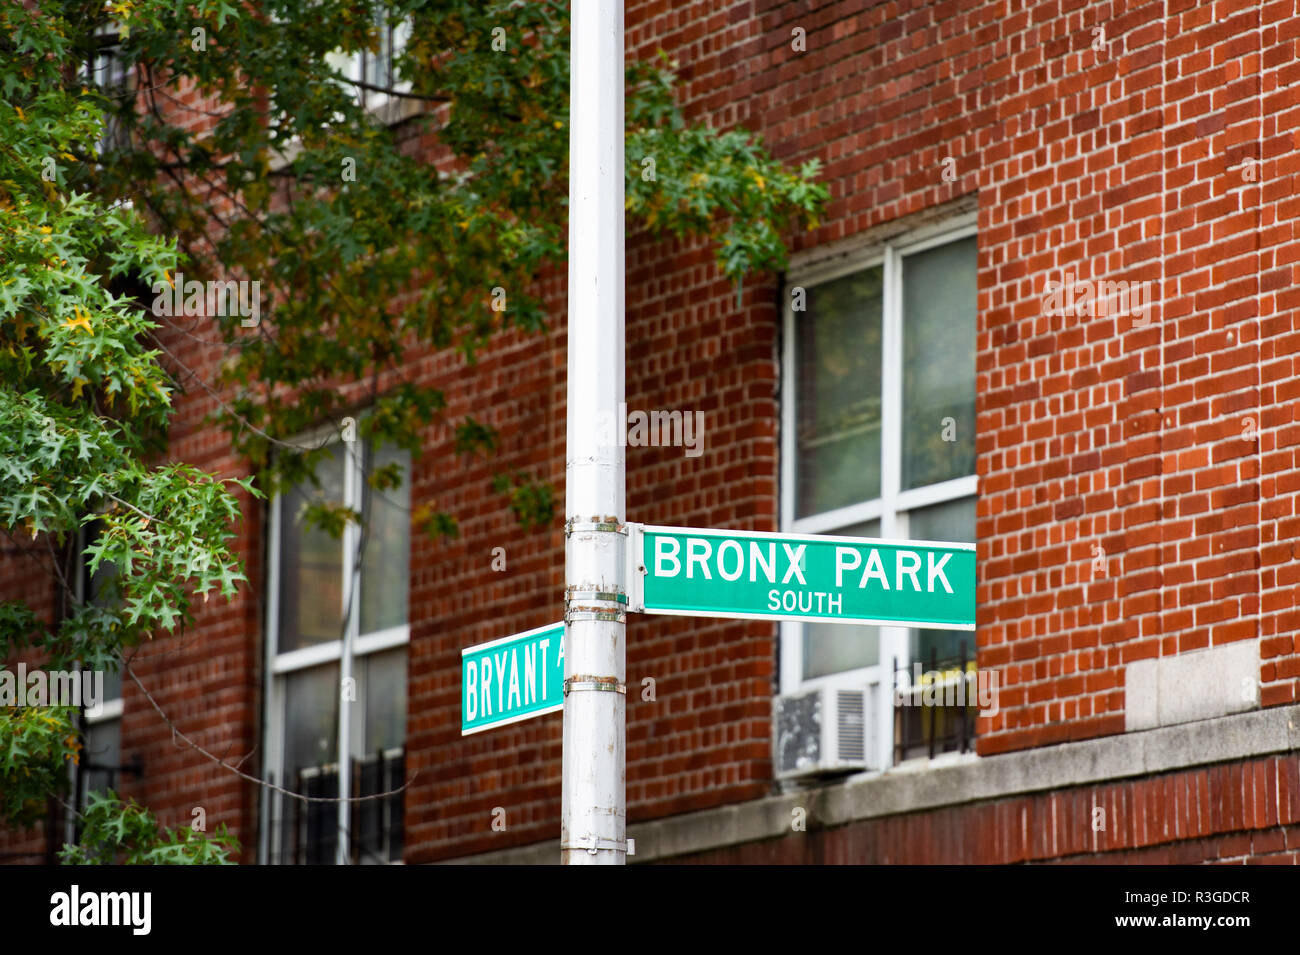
(1051, 311)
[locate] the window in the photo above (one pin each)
(336, 693)
(101, 756)
(108, 72)
(376, 68)
(372, 68)
(879, 441)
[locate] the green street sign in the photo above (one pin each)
(512, 679)
(754, 575)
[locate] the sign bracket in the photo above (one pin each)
(634, 578)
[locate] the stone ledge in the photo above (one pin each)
(952, 781)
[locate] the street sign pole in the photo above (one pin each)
(593, 778)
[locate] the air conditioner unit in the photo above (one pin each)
(827, 730)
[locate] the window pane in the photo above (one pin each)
(837, 362)
(385, 561)
(112, 685)
(308, 831)
(385, 701)
(377, 64)
(311, 719)
(939, 364)
(102, 755)
(311, 564)
(102, 590)
(951, 521)
(347, 65)
(108, 70)
(836, 647)
(380, 763)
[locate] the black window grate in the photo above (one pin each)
(945, 725)
(375, 831)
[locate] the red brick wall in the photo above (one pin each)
(1093, 432)
(21, 579)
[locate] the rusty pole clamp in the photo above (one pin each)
(591, 604)
(609, 524)
(606, 684)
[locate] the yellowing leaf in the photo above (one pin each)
(81, 320)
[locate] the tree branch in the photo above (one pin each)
(392, 92)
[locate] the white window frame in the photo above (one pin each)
(352, 66)
(344, 651)
(893, 505)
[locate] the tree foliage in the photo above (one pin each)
(125, 833)
(404, 252)
(35, 745)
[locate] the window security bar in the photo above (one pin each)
(947, 723)
(375, 835)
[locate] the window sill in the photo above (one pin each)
(917, 765)
(922, 764)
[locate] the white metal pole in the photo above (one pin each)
(346, 691)
(594, 814)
